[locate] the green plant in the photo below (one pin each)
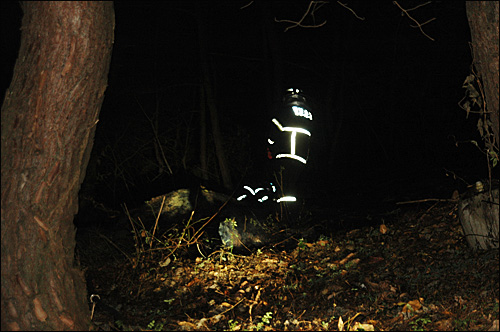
(463, 324)
(419, 323)
(301, 245)
(169, 301)
(155, 326)
(226, 255)
(119, 324)
(232, 324)
(266, 320)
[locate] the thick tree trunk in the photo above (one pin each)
(48, 122)
(483, 22)
(479, 213)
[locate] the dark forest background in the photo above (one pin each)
(385, 97)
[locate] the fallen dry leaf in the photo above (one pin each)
(361, 327)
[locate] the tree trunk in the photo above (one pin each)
(478, 213)
(483, 22)
(203, 134)
(210, 98)
(49, 118)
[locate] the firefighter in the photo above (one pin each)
(288, 144)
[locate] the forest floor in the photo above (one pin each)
(411, 270)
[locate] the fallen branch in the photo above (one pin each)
(455, 200)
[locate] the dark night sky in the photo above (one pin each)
(385, 96)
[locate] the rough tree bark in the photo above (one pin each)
(48, 118)
(478, 212)
(483, 22)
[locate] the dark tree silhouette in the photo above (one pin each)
(483, 22)
(49, 117)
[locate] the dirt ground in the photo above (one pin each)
(410, 270)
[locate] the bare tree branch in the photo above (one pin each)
(422, 24)
(247, 5)
(316, 5)
(418, 6)
(418, 25)
(351, 10)
(299, 23)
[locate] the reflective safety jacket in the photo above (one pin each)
(261, 194)
(290, 135)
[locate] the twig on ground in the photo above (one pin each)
(428, 200)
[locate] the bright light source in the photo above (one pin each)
(287, 199)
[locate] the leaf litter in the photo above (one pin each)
(411, 270)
